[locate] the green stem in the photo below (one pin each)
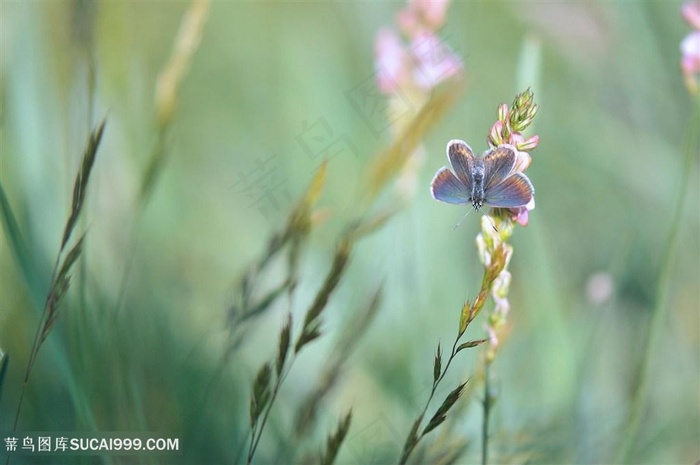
(485, 423)
(255, 438)
(660, 305)
(406, 453)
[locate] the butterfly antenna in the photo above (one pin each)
(460, 221)
(492, 224)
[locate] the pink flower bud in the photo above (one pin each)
(521, 216)
(495, 136)
(528, 144)
(503, 112)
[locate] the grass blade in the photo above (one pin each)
(19, 247)
(4, 362)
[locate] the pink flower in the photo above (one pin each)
(521, 215)
(435, 61)
(408, 21)
(690, 47)
(391, 61)
(691, 13)
(421, 15)
(525, 144)
(428, 60)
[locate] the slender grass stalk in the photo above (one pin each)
(639, 401)
(166, 92)
(413, 438)
(485, 422)
(263, 399)
(257, 430)
(60, 274)
(86, 11)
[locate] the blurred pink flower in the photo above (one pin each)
(690, 47)
(435, 62)
(493, 337)
(691, 13)
(391, 61)
(426, 61)
(420, 15)
(408, 21)
(432, 11)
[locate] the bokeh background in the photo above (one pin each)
(267, 78)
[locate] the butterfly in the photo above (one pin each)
(487, 180)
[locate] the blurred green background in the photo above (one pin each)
(613, 125)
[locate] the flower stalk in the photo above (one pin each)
(495, 252)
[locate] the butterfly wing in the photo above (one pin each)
(462, 160)
(515, 191)
(446, 187)
(498, 164)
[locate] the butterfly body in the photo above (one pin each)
(488, 180)
(477, 196)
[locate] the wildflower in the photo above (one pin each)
(507, 129)
(391, 61)
(434, 61)
(422, 14)
(409, 65)
(425, 60)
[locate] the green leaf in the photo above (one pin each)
(4, 362)
(470, 344)
(19, 247)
